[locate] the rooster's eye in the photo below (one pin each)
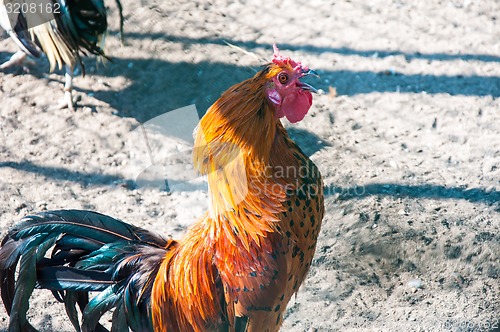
(283, 78)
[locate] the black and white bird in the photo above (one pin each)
(63, 30)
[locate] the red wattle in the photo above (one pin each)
(296, 105)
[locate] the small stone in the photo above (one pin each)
(415, 283)
(457, 278)
(20, 207)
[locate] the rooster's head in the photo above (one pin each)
(289, 96)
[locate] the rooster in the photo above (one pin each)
(235, 269)
(62, 29)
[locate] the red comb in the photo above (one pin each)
(281, 60)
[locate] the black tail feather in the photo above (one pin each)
(71, 299)
(119, 318)
(90, 252)
(63, 278)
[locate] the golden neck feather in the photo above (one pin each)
(237, 144)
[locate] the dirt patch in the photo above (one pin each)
(406, 137)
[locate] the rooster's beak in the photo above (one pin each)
(311, 72)
(306, 86)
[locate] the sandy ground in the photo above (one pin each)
(407, 137)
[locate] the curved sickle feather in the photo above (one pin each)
(91, 252)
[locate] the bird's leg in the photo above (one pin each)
(16, 59)
(68, 88)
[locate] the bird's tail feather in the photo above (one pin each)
(85, 23)
(55, 45)
(90, 252)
